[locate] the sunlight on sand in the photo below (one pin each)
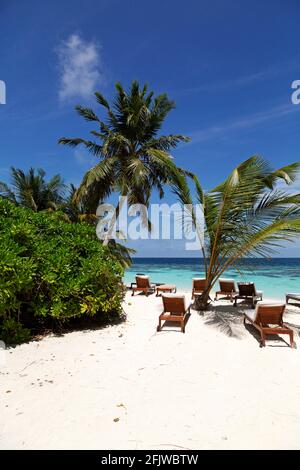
(129, 387)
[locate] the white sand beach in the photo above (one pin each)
(129, 387)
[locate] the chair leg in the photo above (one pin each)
(263, 339)
(216, 297)
(292, 338)
(132, 293)
(182, 326)
(159, 325)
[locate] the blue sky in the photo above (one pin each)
(228, 65)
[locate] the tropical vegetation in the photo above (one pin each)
(134, 159)
(33, 191)
(54, 274)
(249, 214)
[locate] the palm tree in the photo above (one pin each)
(32, 190)
(121, 252)
(78, 211)
(134, 160)
(246, 215)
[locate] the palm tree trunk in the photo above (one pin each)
(202, 301)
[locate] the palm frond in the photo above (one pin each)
(87, 113)
(101, 100)
(287, 173)
(121, 252)
(7, 193)
(246, 215)
(93, 147)
(128, 136)
(98, 180)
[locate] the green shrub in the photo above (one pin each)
(53, 272)
(13, 332)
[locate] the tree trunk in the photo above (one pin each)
(202, 301)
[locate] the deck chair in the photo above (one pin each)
(227, 289)
(292, 296)
(198, 286)
(134, 283)
(143, 285)
(247, 291)
(175, 310)
(266, 315)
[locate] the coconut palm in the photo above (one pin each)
(246, 215)
(32, 190)
(78, 211)
(134, 160)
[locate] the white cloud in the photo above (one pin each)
(81, 67)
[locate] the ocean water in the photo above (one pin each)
(274, 277)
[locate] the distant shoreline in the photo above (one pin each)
(275, 277)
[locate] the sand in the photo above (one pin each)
(129, 387)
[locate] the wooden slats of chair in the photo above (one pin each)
(174, 311)
(267, 315)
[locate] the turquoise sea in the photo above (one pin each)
(275, 277)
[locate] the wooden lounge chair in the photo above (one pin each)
(227, 289)
(266, 315)
(175, 310)
(143, 285)
(134, 283)
(198, 286)
(247, 291)
(171, 288)
(292, 296)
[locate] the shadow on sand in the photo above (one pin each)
(174, 326)
(228, 319)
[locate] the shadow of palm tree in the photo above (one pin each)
(227, 319)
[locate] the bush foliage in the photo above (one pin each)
(52, 273)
